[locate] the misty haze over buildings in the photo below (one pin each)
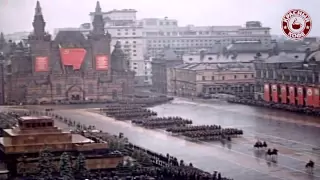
(17, 15)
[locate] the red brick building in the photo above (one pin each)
(70, 67)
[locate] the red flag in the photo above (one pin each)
(316, 102)
(300, 96)
(292, 95)
(284, 94)
(275, 96)
(309, 98)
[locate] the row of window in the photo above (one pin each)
(181, 45)
(119, 34)
(235, 89)
(295, 78)
(161, 23)
(205, 40)
(126, 29)
(207, 33)
(212, 78)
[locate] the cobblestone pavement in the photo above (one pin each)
(295, 136)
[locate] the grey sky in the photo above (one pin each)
(17, 15)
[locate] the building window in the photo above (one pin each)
(245, 76)
(222, 77)
(104, 89)
(252, 75)
(134, 67)
(119, 34)
(134, 50)
(134, 42)
(235, 76)
(90, 89)
(212, 78)
(133, 33)
(126, 33)
(127, 42)
(203, 78)
(58, 89)
(190, 59)
(134, 55)
(210, 58)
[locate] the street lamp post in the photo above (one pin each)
(2, 61)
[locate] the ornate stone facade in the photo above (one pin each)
(70, 67)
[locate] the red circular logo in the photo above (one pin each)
(296, 24)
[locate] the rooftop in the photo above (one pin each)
(217, 66)
(117, 10)
(282, 58)
(248, 47)
(76, 138)
(27, 118)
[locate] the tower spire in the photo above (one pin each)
(38, 21)
(38, 9)
(2, 40)
(98, 23)
(98, 7)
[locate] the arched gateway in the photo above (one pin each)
(75, 93)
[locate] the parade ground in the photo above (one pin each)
(295, 136)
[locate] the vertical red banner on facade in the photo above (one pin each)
(309, 98)
(300, 95)
(41, 64)
(275, 96)
(292, 95)
(316, 102)
(102, 62)
(284, 94)
(266, 92)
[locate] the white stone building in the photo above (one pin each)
(160, 33)
(123, 27)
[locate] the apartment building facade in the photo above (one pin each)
(160, 33)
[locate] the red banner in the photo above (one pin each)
(275, 97)
(266, 92)
(73, 57)
(300, 95)
(284, 94)
(292, 95)
(102, 62)
(41, 64)
(309, 98)
(316, 102)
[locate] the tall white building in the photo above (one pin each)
(160, 33)
(123, 27)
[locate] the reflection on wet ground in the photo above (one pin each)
(297, 143)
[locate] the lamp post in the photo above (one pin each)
(2, 61)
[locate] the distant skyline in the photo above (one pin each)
(17, 15)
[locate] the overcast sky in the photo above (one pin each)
(17, 15)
